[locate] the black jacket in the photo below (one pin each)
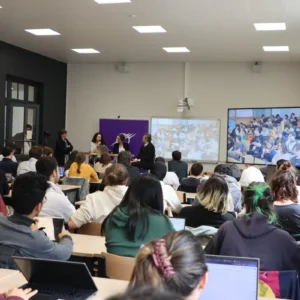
(116, 147)
(9, 166)
(61, 150)
(147, 153)
(252, 236)
(189, 185)
(178, 167)
(196, 216)
(4, 188)
(133, 173)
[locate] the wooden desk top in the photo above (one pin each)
(106, 287)
(66, 187)
(5, 273)
(87, 245)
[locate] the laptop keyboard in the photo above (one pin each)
(61, 293)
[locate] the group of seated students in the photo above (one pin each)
(132, 209)
(267, 138)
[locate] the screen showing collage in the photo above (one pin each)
(263, 136)
(195, 139)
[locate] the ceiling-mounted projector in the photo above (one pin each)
(183, 105)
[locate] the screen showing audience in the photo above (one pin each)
(196, 139)
(263, 136)
(231, 280)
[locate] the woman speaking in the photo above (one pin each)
(120, 145)
(97, 140)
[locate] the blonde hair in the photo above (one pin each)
(215, 195)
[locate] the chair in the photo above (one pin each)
(90, 229)
(118, 267)
(181, 196)
(83, 192)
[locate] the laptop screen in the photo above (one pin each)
(178, 224)
(56, 273)
(231, 278)
(61, 171)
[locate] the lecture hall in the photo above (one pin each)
(150, 149)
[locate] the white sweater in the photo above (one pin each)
(58, 205)
(99, 205)
(171, 197)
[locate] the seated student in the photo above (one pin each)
(284, 188)
(226, 172)
(18, 232)
(99, 205)
(18, 294)
(251, 174)
(180, 168)
(29, 166)
(47, 151)
(138, 219)
(159, 170)
(171, 178)
(80, 168)
(237, 150)
(124, 158)
(104, 163)
(214, 203)
(191, 183)
(175, 262)
(7, 165)
(254, 234)
(296, 159)
(70, 161)
(120, 145)
(57, 205)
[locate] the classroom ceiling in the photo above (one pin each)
(213, 30)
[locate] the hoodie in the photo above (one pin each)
(99, 205)
(116, 231)
(252, 236)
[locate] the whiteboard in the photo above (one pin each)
(196, 139)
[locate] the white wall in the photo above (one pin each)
(153, 89)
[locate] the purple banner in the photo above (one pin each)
(132, 129)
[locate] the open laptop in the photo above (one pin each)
(57, 279)
(231, 278)
(178, 224)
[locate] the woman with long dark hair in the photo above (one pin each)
(138, 219)
(97, 141)
(284, 188)
(120, 145)
(255, 234)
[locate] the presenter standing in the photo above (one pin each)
(63, 148)
(120, 145)
(147, 154)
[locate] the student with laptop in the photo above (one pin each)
(29, 166)
(99, 205)
(58, 205)
(214, 201)
(175, 262)
(138, 219)
(18, 234)
(159, 170)
(255, 234)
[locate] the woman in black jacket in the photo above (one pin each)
(63, 148)
(120, 145)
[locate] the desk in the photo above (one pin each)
(5, 273)
(69, 188)
(88, 246)
(106, 287)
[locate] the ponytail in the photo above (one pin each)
(80, 159)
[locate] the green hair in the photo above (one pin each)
(259, 189)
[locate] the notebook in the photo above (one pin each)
(231, 278)
(56, 279)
